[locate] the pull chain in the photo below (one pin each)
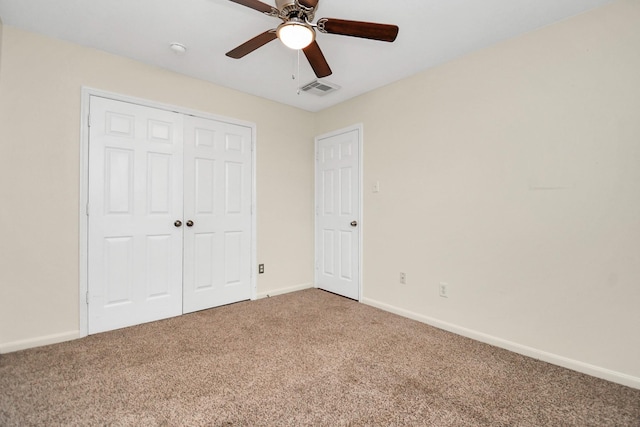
(296, 72)
(298, 91)
(293, 70)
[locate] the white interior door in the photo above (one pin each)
(337, 230)
(135, 197)
(217, 239)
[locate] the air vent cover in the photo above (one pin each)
(320, 87)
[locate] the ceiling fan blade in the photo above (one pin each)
(309, 4)
(255, 4)
(317, 60)
(366, 30)
(253, 44)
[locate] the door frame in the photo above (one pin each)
(360, 128)
(86, 94)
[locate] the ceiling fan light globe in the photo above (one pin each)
(296, 35)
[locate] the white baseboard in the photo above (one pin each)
(39, 341)
(281, 291)
(576, 365)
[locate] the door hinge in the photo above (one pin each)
(89, 120)
(87, 209)
(87, 294)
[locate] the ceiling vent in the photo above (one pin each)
(320, 87)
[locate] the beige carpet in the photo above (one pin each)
(302, 359)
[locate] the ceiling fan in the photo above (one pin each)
(297, 32)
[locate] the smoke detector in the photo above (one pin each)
(178, 48)
(320, 87)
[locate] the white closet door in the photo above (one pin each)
(135, 197)
(217, 212)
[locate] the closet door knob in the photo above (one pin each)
(189, 223)
(178, 223)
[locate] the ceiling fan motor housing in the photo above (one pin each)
(291, 9)
(281, 4)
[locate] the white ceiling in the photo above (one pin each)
(431, 32)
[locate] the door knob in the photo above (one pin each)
(189, 223)
(354, 223)
(178, 223)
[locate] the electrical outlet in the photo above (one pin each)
(403, 278)
(260, 268)
(444, 290)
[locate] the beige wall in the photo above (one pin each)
(513, 174)
(1, 25)
(40, 87)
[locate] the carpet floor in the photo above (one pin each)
(308, 358)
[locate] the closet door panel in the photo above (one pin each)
(217, 247)
(135, 196)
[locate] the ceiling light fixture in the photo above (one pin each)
(296, 34)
